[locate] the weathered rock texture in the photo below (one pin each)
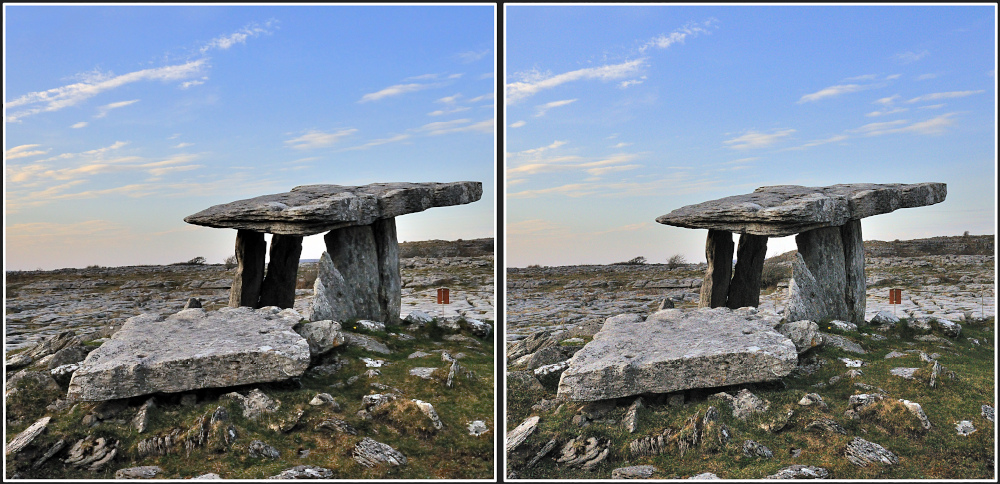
(677, 350)
(193, 349)
(350, 284)
(829, 278)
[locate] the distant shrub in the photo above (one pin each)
(231, 262)
(676, 261)
(534, 266)
(636, 261)
(197, 261)
(773, 273)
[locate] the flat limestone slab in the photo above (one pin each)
(313, 209)
(783, 210)
(678, 349)
(193, 349)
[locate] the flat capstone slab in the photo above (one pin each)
(678, 349)
(313, 209)
(193, 349)
(782, 210)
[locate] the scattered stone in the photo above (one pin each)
(325, 399)
(800, 472)
(930, 338)
(964, 428)
(549, 375)
(631, 420)
(428, 410)
(192, 302)
(66, 356)
(904, 372)
(159, 445)
(704, 476)
(843, 343)
(755, 449)
(452, 372)
(417, 317)
(23, 439)
(744, 404)
(884, 317)
(141, 472)
(529, 345)
(812, 399)
(260, 450)
(651, 445)
(634, 472)
(861, 453)
(916, 410)
(372, 363)
(895, 354)
(418, 354)
(479, 328)
(551, 444)
(584, 453)
(370, 453)
(422, 372)
(210, 475)
(520, 433)
(477, 428)
(852, 363)
(844, 325)
(366, 342)
(92, 454)
(677, 350)
(322, 336)
(288, 423)
(804, 334)
(141, 420)
(369, 325)
(337, 425)
(461, 338)
(988, 412)
(376, 400)
(778, 423)
(826, 424)
(255, 404)
(49, 453)
(936, 370)
(304, 472)
(948, 328)
(193, 349)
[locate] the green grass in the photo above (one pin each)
(937, 453)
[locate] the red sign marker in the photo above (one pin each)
(443, 294)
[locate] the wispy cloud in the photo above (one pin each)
(472, 55)
(458, 126)
(382, 141)
(691, 29)
(541, 109)
(933, 106)
(810, 144)
(441, 112)
(224, 42)
(886, 101)
(534, 82)
(484, 97)
(597, 167)
(196, 82)
(754, 139)
(831, 92)
(103, 110)
(81, 124)
(396, 90)
(73, 94)
(318, 139)
(944, 95)
(910, 57)
(864, 77)
(24, 151)
(933, 126)
(183, 145)
(924, 77)
(517, 124)
(537, 151)
(886, 112)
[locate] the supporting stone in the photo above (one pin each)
(347, 283)
(278, 288)
(854, 265)
(719, 252)
(387, 249)
(819, 279)
(744, 289)
(250, 251)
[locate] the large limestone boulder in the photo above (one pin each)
(677, 349)
(193, 349)
(782, 210)
(313, 209)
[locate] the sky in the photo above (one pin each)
(122, 120)
(616, 115)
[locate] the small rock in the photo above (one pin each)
(861, 452)
(370, 453)
(418, 354)
(812, 399)
(49, 453)
(192, 302)
(634, 472)
(584, 453)
(915, 409)
(894, 354)
(210, 475)
(369, 325)
(337, 425)
(422, 372)
(91, 453)
(520, 433)
(477, 428)
(260, 450)
(631, 420)
(479, 328)
(805, 334)
(964, 428)
(904, 372)
(418, 318)
(141, 472)
(325, 399)
(428, 410)
(843, 325)
(304, 472)
(988, 412)
(141, 420)
(800, 472)
(21, 440)
(754, 449)
(852, 363)
(826, 424)
(884, 317)
(704, 476)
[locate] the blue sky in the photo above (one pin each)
(618, 114)
(121, 121)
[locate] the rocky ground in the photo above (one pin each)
(893, 399)
(401, 401)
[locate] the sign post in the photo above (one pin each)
(895, 299)
(443, 297)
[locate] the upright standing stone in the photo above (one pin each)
(854, 260)
(387, 250)
(719, 252)
(347, 283)
(250, 250)
(744, 289)
(818, 288)
(278, 288)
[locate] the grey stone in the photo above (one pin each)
(366, 342)
(548, 375)
(704, 476)
(844, 325)
(842, 342)
(304, 472)
(337, 425)
(819, 280)
(520, 433)
(278, 286)
(894, 354)
(745, 403)
(903, 372)
(417, 317)
(477, 428)
(141, 472)
(92, 454)
(719, 253)
(964, 428)
(479, 328)
(584, 453)
(854, 265)
(812, 399)
(918, 411)
(675, 350)
(861, 453)
(948, 328)
(64, 373)
(884, 317)
(254, 404)
(429, 411)
(347, 281)
(141, 420)
(210, 475)
(23, 439)
(323, 399)
(826, 424)
(744, 289)
(665, 303)
(782, 210)
(804, 334)
(42, 378)
(531, 344)
(631, 420)
(550, 355)
(193, 302)
(260, 450)
(250, 252)
(524, 381)
(67, 356)
(634, 472)
(754, 449)
(370, 325)
(56, 447)
(800, 472)
(313, 209)
(322, 336)
(390, 284)
(370, 453)
(422, 372)
(193, 349)
(988, 412)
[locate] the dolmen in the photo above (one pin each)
(828, 273)
(358, 274)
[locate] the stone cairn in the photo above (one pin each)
(359, 272)
(828, 271)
